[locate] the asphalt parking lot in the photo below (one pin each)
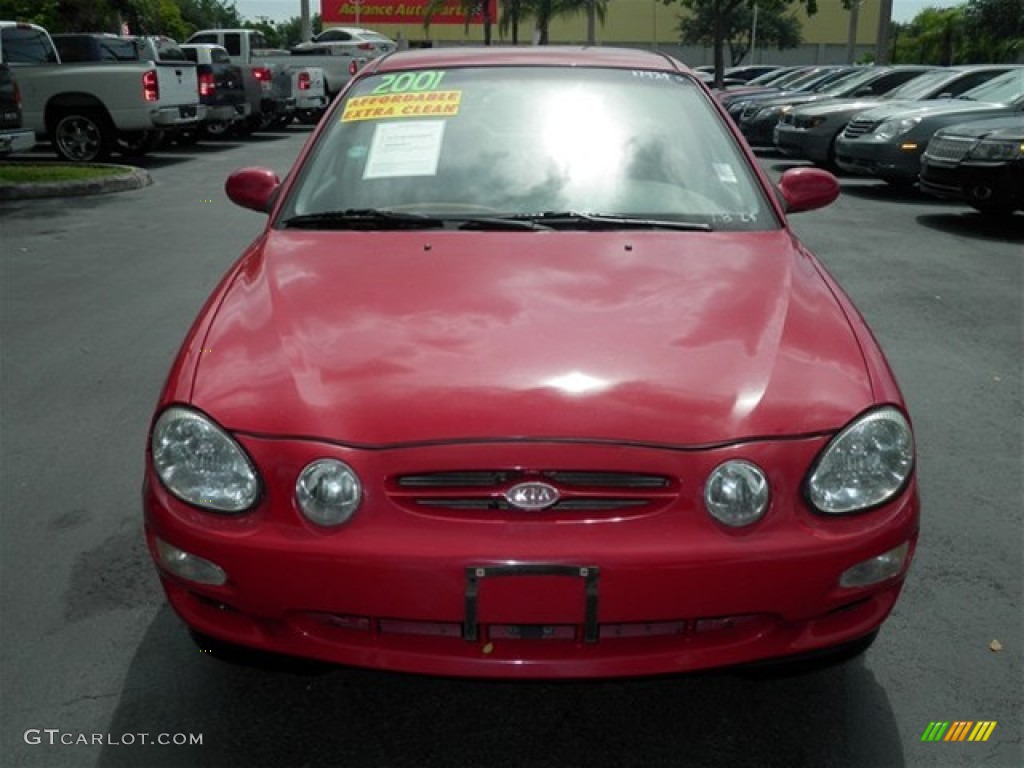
(95, 296)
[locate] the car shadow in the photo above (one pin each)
(870, 189)
(970, 223)
(250, 718)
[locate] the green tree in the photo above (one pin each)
(777, 25)
(41, 12)
(290, 32)
(994, 30)
(715, 22)
(934, 36)
(544, 11)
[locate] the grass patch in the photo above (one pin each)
(41, 173)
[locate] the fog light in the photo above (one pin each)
(877, 569)
(189, 567)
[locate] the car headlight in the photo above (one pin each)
(890, 129)
(200, 463)
(765, 112)
(994, 149)
(328, 492)
(866, 464)
(736, 493)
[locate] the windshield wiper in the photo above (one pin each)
(579, 220)
(363, 218)
(380, 218)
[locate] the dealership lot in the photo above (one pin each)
(97, 294)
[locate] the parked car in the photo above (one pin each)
(814, 80)
(221, 89)
(810, 131)
(528, 376)
(887, 142)
(355, 41)
(13, 137)
(757, 121)
(87, 47)
(90, 110)
(981, 163)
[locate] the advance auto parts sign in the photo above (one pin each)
(373, 12)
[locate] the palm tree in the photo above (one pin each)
(469, 8)
(543, 11)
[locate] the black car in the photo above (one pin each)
(981, 163)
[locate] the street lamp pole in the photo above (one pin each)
(305, 29)
(753, 38)
(884, 26)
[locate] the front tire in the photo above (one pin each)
(83, 136)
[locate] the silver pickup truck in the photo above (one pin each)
(248, 46)
(85, 108)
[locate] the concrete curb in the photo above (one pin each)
(131, 178)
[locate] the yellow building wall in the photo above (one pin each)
(639, 22)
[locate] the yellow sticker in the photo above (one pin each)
(433, 103)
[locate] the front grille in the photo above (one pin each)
(948, 149)
(859, 126)
(579, 490)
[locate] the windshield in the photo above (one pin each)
(520, 141)
(778, 78)
(852, 81)
(921, 86)
(1000, 90)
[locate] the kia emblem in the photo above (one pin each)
(532, 497)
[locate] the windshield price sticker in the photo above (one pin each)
(405, 149)
(409, 81)
(380, 107)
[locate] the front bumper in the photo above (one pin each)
(532, 595)
(997, 184)
(812, 145)
(884, 160)
(16, 141)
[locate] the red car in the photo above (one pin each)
(528, 377)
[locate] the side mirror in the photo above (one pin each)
(252, 188)
(805, 189)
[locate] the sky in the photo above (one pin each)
(282, 10)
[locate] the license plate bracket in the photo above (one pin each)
(476, 574)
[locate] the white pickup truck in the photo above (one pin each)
(248, 46)
(85, 108)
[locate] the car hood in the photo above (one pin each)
(797, 98)
(839, 106)
(1005, 128)
(390, 338)
(902, 110)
